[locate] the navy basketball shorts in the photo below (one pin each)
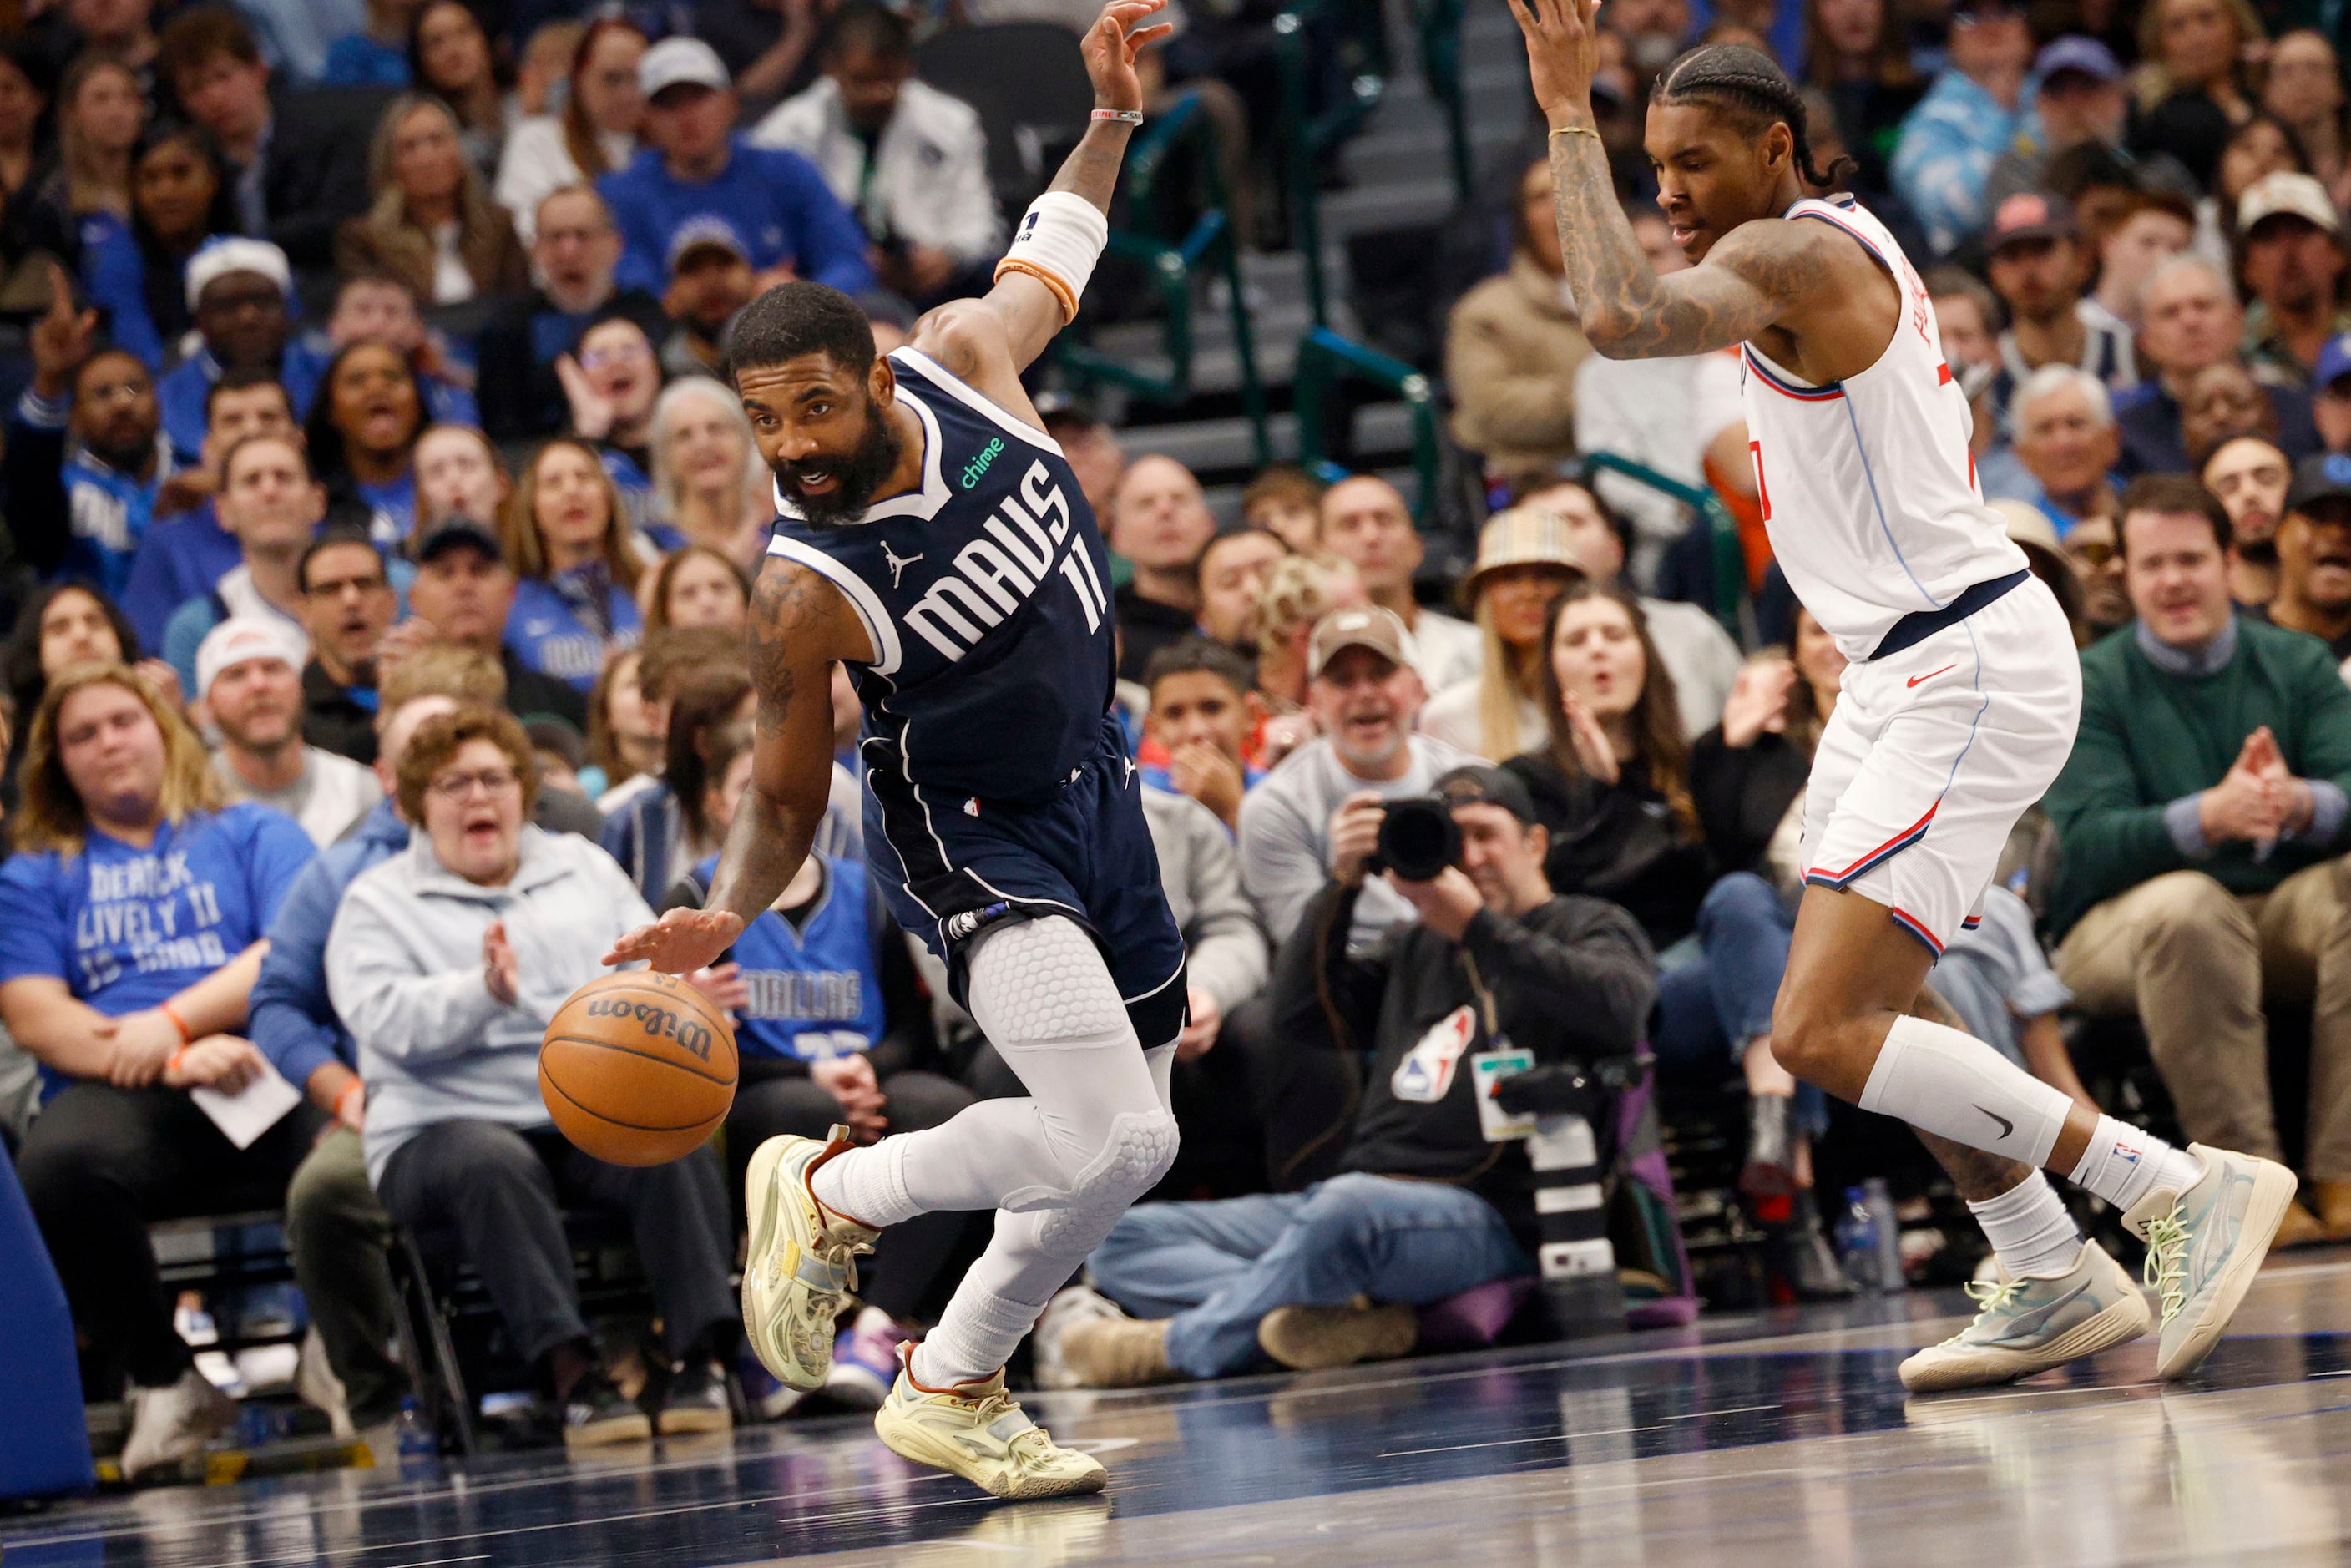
(952, 865)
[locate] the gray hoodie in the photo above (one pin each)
(404, 968)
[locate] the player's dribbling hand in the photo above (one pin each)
(1111, 45)
(680, 942)
(1562, 56)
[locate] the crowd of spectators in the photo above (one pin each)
(382, 530)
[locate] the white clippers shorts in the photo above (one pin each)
(1932, 755)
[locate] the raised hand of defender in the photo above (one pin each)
(680, 942)
(1111, 47)
(1562, 56)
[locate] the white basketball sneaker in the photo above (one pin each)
(979, 1432)
(2024, 1326)
(801, 1264)
(2205, 1244)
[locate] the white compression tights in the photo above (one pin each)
(1061, 1165)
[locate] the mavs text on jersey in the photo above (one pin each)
(997, 779)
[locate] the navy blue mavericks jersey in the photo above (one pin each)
(815, 992)
(997, 780)
(983, 594)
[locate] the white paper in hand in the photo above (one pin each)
(246, 1116)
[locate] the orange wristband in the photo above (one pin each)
(353, 1087)
(187, 1035)
(172, 1062)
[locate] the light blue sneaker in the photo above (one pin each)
(2025, 1327)
(2205, 1244)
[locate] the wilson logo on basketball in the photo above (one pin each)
(660, 1022)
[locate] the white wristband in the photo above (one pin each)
(1059, 240)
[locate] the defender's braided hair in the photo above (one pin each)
(1745, 83)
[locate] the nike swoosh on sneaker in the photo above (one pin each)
(1930, 675)
(2007, 1128)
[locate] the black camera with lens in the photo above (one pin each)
(1418, 838)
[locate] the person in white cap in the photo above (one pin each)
(250, 673)
(238, 293)
(2292, 263)
(695, 165)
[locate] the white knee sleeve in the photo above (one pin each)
(1041, 985)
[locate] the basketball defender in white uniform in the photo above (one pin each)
(1957, 713)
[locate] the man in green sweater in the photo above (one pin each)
(2202, 817)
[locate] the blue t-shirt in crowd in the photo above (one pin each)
(815, 992)
(181, 394)
(775, 201)
(127, 928)
(179, 559)
(357, 60)
(391, 509)
(552, 625)
(114, 276)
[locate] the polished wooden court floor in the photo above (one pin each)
(1780, 1437)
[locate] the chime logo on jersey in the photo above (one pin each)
(1427, 1072)
(994, 575)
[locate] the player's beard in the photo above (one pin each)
(856, 476)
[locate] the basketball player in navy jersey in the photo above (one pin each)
(934, 538)
(1958, 706)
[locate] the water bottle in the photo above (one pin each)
(1856, 1240)
(1886, 1234)
(418, 1450)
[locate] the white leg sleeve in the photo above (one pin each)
(1095, 1132)
(1957, 1087)
(1065, 1162)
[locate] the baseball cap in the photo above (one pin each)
(2030, 215)
(1367, 627)
(1484, 784)
(705, 231)
(450, 533)
(680, 62)
(2084, 57)
(217, 258)
(243, 637)
(2326, 477)
(2286, 193)
(2333, 361)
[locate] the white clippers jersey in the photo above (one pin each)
(1868, 484)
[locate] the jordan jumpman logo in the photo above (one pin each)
(898, 564)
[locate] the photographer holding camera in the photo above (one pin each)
(1497, 974)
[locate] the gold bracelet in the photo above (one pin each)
(1576, 130)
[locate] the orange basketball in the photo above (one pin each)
(637, 1068)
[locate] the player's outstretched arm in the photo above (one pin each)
(987, 342)
(799, 626)
(1749, 281)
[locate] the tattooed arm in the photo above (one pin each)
(1748, 282)
(987, 342)
(799, 626)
